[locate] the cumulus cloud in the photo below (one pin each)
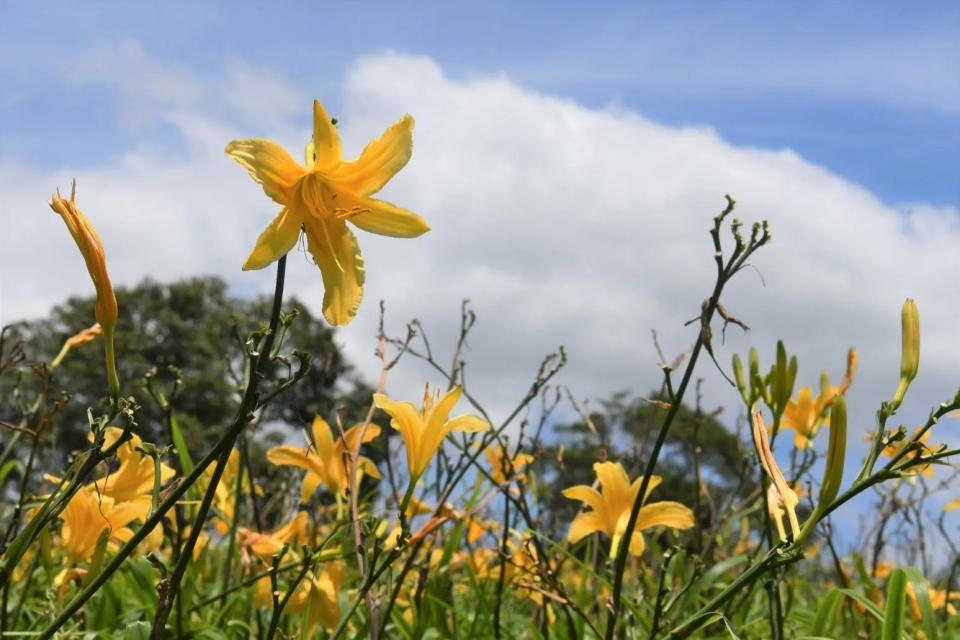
(562, 224)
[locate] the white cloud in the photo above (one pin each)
(564, 225)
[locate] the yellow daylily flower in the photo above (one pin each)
(92, 249)
(806, 413)
(612, 504)
(264, 545)
(133, 481)
(85, 518)
(76, 340)
(322, 196)
(317, 596)
(325, 459)
(424, 429)
(497, 458)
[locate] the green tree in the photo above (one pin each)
(194, 330)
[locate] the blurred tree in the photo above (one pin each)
(196, 327)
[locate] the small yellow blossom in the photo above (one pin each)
(322, 197)
(264, 545)
(500, 466)
(893, 449)
(953, 504)
(326, 460)
(424, 429)
(317, 596)
(75, 341)
(612, 504)
(805, 413)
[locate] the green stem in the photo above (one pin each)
(112, 378)
(224, 444)
(244, 415)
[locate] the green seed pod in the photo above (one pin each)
(836, 452)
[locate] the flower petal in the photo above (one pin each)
(289, 455)
(275, 241)
(381, 217)
(380, 160)
(326, 140)
(584, 524)
(586, 494)
(310, 483)
(468, 423)
(323, 439)
(615, 486)
(670, 514)
(269, 164)
(335, 249)
(406, 420)
(437, 416)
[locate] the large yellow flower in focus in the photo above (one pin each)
(322, 196)
(424, 429)
(612, 505)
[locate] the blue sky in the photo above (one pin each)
(567, 157)
(867, 89)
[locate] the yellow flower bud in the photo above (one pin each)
(910, 349)
(833, 473)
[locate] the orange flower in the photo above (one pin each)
(76, 340)
(92, 249)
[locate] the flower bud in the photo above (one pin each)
(738, 376)
(833, 472)
(910, 354)
(910, 349)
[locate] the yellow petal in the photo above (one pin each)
(269, 164)
(405, 419)
(615, 486)
(289, 455)
(585, 524)
(310, 483)
(381, 160)
(379, 216)
(349, 440)
(468, 423)
(587, 494)
(953, 504)
(275, 241)
(323, 438)
(368, 467)
(669, 514)
(437, 416)
(637, 544)
(335, 249)
(326, 140)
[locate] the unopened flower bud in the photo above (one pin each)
(910, 349)
(738, 376)
(833, 472)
